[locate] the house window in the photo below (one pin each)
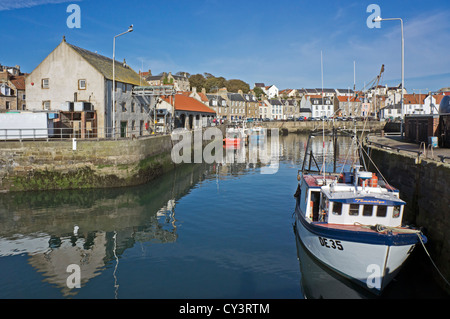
(8, 105)
(46, 105)
(132, 107)
(82, 84)
(23, 107)
(124, 107)
(45, 83)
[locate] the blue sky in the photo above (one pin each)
(274, 42)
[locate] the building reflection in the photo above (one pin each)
(90, 228)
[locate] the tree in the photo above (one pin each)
(236, 85)
(258, 92)
(197, 81)
(212, 82)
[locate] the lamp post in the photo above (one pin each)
(113, 107)
(379, 19)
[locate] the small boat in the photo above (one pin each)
(352, 223)
(234, 137)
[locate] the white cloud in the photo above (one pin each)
(18, 4)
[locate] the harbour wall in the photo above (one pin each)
(424, 184)
(55, 164)
(287, 127)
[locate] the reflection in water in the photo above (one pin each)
(91, 228)
(218, 230)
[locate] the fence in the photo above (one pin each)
(35, 134)
(108, 133)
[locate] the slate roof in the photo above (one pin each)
(235, 97)
(105, 66)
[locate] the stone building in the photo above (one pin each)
(179, 81)
(12, 89)
(72, 79)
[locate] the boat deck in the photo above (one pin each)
(359, 228)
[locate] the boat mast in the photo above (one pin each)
(323, 120)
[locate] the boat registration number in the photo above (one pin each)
(331, 243)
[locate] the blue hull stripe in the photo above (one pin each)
(359, 236)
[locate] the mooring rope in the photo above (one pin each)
(439, 272)
(381, 228)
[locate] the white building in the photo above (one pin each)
(271, 91)
(70, 75)
(321, 106)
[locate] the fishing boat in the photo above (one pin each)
(352, 221)
(235, 136)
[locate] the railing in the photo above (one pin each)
(398, 149)
(48, 134)
(54, 134)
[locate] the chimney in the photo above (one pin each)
(194, 90)
(203, 90)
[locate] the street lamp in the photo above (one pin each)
(379, 19)
(113, 107)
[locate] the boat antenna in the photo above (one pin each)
(323, 119)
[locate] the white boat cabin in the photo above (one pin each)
(334, 200)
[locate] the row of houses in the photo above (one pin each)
(381, 102)
(76, 88)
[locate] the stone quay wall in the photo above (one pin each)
(424, 184)
(55, 164)
(44, 165)
(287, 127)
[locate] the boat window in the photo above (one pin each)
(315, 205)
(354, 210)
(381, 211)
(396, 212)
(367, 210)
(337, 208)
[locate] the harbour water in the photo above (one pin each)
(203, 231)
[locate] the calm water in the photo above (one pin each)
(201, 231)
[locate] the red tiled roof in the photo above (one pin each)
(315, 96)
(414, 98)
(18, 81)
(186, 103)
(347, 98)
(203, 97)
(438, 98)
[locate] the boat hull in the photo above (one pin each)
(370, 259)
